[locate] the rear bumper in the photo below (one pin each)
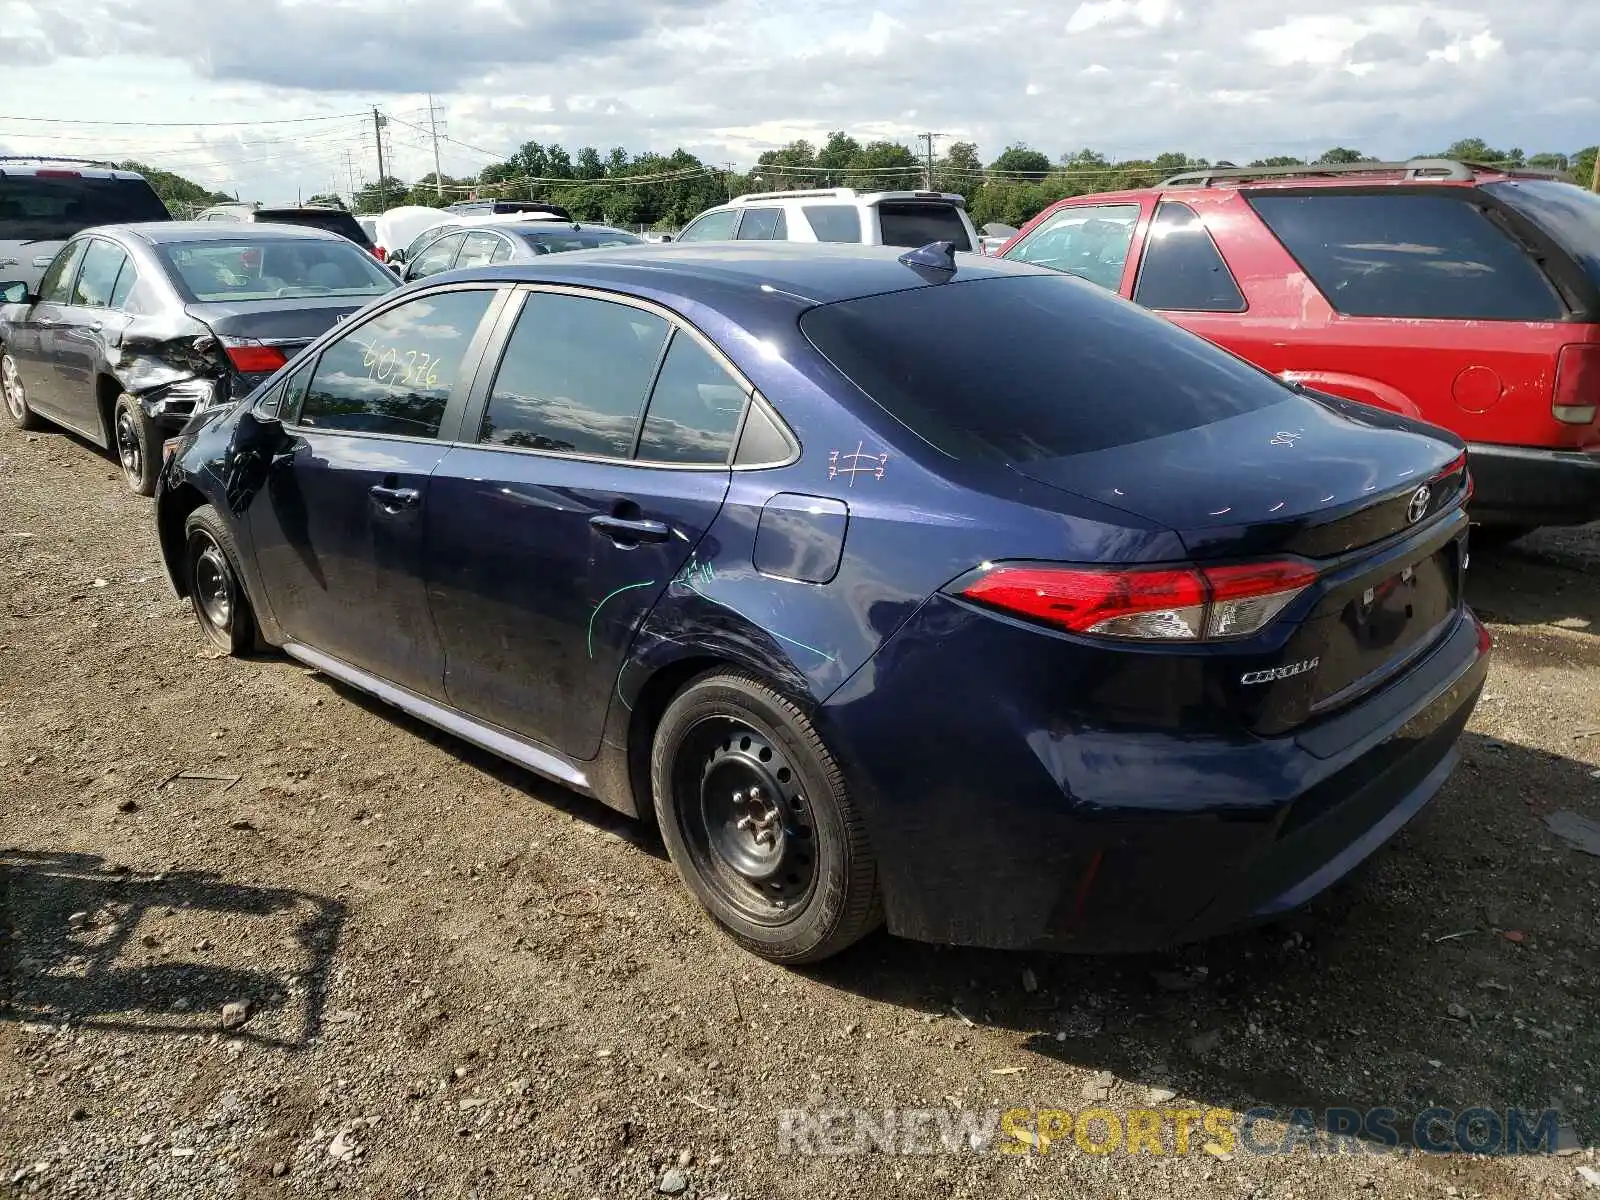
(1522, 485)
(995, 829)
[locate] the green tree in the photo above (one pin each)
(770, 168)
(837, 153)
(183, 197)
(872, 169)
(1549, 162)
(1018, 159)
(326, 200)
(1279, 160)
(377, 196)
(1342, 154)
(960, 170)
(1582, 167)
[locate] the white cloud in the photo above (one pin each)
(726, 79)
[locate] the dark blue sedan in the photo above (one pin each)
(936, 590)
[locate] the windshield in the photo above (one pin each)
(554, 241)
(1568, 213)
(1045, 366)
(271, 268)
(47, 208)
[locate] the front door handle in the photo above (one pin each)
(394, 499)
(621, 529)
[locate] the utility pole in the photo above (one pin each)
(1594, 177)
(350, 169)
(378, 122)
(727, 179)
(433, 124)
(927, 174)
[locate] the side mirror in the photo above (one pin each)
(14, 293)
(396, 256)
(666, 237)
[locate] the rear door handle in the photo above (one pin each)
(395, 498)
(621, 529)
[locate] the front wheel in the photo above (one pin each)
(15, 395)
(136, 446)
(759, 822)
(212, 576)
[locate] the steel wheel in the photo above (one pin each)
(130, 450)
(744, 820)
(212, 582)
(216, 593)
(11, 384)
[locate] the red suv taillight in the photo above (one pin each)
(251, 357)
(1577, 393)
(1168, 603)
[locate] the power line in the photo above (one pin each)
(185, 124)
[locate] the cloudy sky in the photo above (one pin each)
(267, 96)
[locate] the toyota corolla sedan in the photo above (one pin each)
(134, 327)
(903, 587)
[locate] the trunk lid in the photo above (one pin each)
(290, 324)
(1373, 499)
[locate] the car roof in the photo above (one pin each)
(87, 168)
(163, 232)
(821, 273)
(302, 208)
(555, 228)
(844, 195)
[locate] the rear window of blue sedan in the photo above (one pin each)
(1032, 367)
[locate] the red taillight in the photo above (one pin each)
(1185, 603)
(379, 253)
(58, 174)
(253, 358)
(1577, 393)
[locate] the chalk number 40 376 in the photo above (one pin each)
(410, 368)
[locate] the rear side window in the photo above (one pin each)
(1044, 367)
(763, 224)
(694, 408)
(574, 376)
(1182, 268)
(478, 250)
(713, 227)
(54, 207)
(393, 374)
(1402, 254)
(910, 224)
(102, 262)
(1568, 213)
(127, 278)
(834, 222)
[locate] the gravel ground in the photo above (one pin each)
(448, 978)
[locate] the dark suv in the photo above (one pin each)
(484, 208)
(1462, 294)
(46, 200)
(316, 216)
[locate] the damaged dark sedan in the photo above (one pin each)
(136, 327)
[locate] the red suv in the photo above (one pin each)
(1463, 295)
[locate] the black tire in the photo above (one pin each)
(133, 441)
(759, 822)
(14, 397)
(211, 574)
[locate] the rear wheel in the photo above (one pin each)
(136, 446)
(212, 576)
(15, 395)
(759, 822)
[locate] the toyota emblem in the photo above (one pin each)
(1418, 508)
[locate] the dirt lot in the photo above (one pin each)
(463, 981)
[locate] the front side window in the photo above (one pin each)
(712, 227)
(436, 257)
(695, 408)
(1182, 268)
(1090, 242)
(574, 376)
(763, 224)
(393, 374)
(55, 287)
(834, 222)
(1407, 255)
(102, 262)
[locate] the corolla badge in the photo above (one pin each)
(1418, 508)
(1289, 671)
(1286, 437)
